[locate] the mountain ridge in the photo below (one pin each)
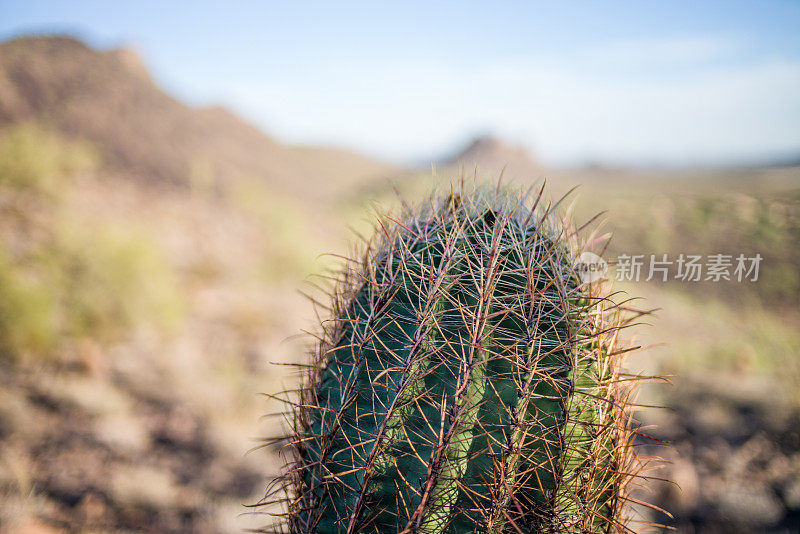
(109, 99)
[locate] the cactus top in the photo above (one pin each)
(467, 382)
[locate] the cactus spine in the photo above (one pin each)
(467, 382)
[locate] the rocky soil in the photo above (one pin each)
(732, 450)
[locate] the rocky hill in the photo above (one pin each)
(109, 99)
(491, 155)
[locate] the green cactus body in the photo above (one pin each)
(465, 384)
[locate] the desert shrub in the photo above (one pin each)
(34, 159)
(64, 274)
(27, 319)
(109, 281)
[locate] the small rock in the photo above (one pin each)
(144, 486)
(754, 507)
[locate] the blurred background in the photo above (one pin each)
(171, 175)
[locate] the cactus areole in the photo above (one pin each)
(467, 381)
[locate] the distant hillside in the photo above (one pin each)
(108, 99)
(491, 155)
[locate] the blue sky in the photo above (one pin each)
(627, 82)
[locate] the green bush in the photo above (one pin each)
(34, 159)
(27, 313)
(63, 273)
(110, 280)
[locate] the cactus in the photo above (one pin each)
(466, 382)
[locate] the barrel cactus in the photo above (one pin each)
(467, 381)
